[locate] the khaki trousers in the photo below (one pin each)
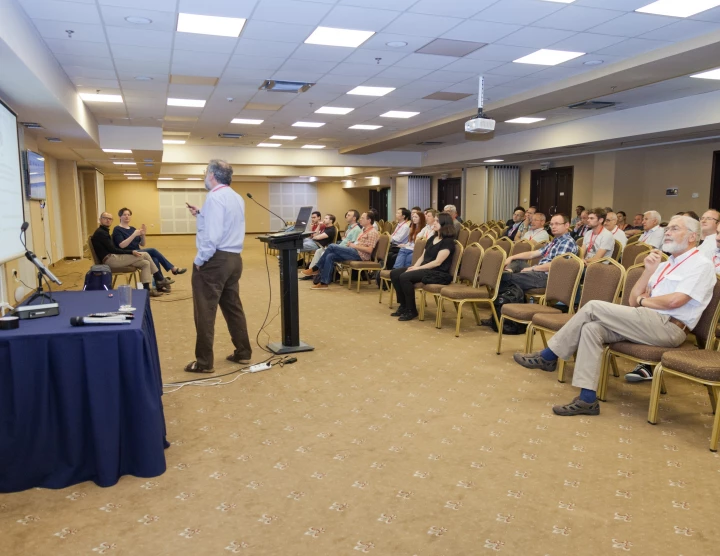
(599, 323)
(217, 283)
(144, 262)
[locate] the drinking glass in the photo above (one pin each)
(125, 297)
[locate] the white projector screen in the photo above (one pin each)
(11, 191)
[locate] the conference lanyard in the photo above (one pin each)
(533, 234)
(715, 258)
(671, 270)
(593, 237)
(398, 229)
(219, 188)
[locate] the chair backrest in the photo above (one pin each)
(486, 242)
(456, 258)
(493, 232)
(484, 227)
(617, 250)
(381, 248)
(522, 246)
(388, 228)
(92, 251)
(632, 239)
(641, 257)
(418, 250)
(602, 281)
(491, 269)
(631, 251)
(505, 243)
(632, 275)
(463, 236)
(474, 236)
(579, 241)
(535, 247)
(705, 329)
(563, 279)
(471, 259)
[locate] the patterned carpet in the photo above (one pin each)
(390, 438)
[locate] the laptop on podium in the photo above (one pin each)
(301, 223)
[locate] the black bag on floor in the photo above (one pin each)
(509, 293)
(99, 277)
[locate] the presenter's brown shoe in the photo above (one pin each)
(236, 359)
(193, 367)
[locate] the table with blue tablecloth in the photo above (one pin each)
(80, 403)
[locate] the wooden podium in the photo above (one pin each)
(288, 244)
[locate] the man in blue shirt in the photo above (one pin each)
(218, 267)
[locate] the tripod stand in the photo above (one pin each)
(39, 293)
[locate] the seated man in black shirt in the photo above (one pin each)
(115, 257)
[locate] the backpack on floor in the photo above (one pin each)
(99, 277)
(509, 293)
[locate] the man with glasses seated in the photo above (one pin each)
(708, 228)
(666, 302)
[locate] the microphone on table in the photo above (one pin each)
(89, 321)
(267, 209)
(30, 256)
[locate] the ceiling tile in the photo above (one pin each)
(559, 72)
(322, 53)
(379, 42)
(338, 83)
(311, 66)
(535, 37)
(144, 86)
(290, 11)
(375, 57)
(294, 75)
(158, 5)
(204, 43)
(161, 21)
(130, 52)
(518, 70)
(58, 30)
(139, 37)
(190, 91)
(252, 47)
(708, 15)
(357, 70)
(55, 10)
(475, 66)
(348, 17)
(256, 62)
(222, 8)
(518, 12)
(586, 42)
(85, 61)
(92, 83)
(631, 47)
(454, 8)
(480, 31)
(425, 25)
(129, 77)
(500, 53)
(428, 61)
(633, 24)
(449, 77)
(682, 30)
(81, 48)
(576, 18)
(397, 4)
(274, 31)
(187, 62)
(404, 73)
(134, 68)
(621, 5)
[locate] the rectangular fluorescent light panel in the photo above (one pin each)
(524, 120)
(245, 121)
(284, 137)
(165, 178)
(210, 25)
(92, 97)
(268, 145)
(173, 142)
(404, 173)
(547, 57)
(330, 36)
(398, 114)
(678, 8)
(333, 110)
(117, 151)
(371, 91)
(131, 174)
(313, 147)
(125, 163)
(192, 103)
(308, 124)
(712, 74)
(194, 179)
(561, 1)
(134, 178)
(365, 126)
(494, 160)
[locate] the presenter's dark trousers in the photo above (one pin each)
(217, 283)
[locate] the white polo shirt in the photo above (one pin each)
(653, 237)
(691, 274)
(708, 246)
(593, 242)
(537, 236)
(619, 235)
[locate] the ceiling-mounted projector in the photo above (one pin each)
(481, 123)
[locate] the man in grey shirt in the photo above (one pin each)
(452, 211)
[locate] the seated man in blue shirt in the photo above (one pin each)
(126, 237)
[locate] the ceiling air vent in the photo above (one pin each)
(31, 125)
(53, 139)
(285, 86)
(591, 105)
(431, 143)
(230, 135)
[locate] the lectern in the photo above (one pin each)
(288, 244)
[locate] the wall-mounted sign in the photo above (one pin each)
(672, 192)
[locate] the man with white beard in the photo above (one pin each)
(666, 303)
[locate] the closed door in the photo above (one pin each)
(450, 193)
(379, 201)
(551, 190)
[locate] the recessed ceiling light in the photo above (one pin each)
(124, 163)
(284, 137)
(138, 20)
(495, 159)
(131, 174)
(245, 121)
(396, 44)
(92, 97)
(593, 62)
(143, 78)
(404, 173)
(166, 178)
(678, 8)
(524, 120)
(186, 102)
(313, 147)
(150, 165)
(330, 36)
(210, 25)
(173, 142)
(134, 178)
(308, 124)
(398, 114)
(53, 139)
(269, 144)
(547, 57)
(365, 126)
(712, 74)
(333, 110)
(117, 151)
(147, 159)
(371, 91)
(194, 179)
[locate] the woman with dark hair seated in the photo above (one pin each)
(432, 267)
(127, 237)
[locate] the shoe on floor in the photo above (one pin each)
(168, 281)
(639, 374)
(164, 289)
(400, 312)
(487, 322)
(154, 293)
(534, 361)
(301, 277)
(577, 407)
(193, 367)
(237, 359)
(408, 315)
(310, 272)
(179, 271)
(319, 287)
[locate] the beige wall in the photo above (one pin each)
(334, 199)
(475, 185)
(69, 203)
(140, 196)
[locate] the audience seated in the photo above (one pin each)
(581, 225)
(536, 232)
(433, 267)
(708, 228)
(430, 217)
(511, 222)
(516, 224)
(666, 302)
(452, 211)
(598, 242)
(316, 227)
(622, 222)
(359, 250)
(611, 225)
(652, 232)
(399, 236)
(351, 233)
(637, 226)
(376, 216)
(327, 236)
(690, 213)
(578, 213)
(404, 257)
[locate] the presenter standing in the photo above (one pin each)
(218, 267)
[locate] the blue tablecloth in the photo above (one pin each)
(80, 403)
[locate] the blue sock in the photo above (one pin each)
(548, 355)
(588, 396)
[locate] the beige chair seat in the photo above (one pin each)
(461, 291)
(551, 321)
(433, 288)
(526, 311)
(385, 274)
(702, 363)
(535, 291)
(648, 353)
(365, 265)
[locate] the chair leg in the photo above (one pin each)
(613, 363)
(561, 370)
(359, 277)
(475, 312)
(655, 397)
(500, 331)
(713, 397)
(603, 382)
(439, 312)
(382, 284)
(544, 339)
(715, 435)
(421, 315)
(528, 337)
(663, 390)
(114, 279)
(459, 316)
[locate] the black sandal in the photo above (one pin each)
(193, 367)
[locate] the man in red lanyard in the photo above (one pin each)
(666, 303)
(597, 242)
(537, 233)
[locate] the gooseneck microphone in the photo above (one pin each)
(267, 209)
(89, 321)
(30, 256)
